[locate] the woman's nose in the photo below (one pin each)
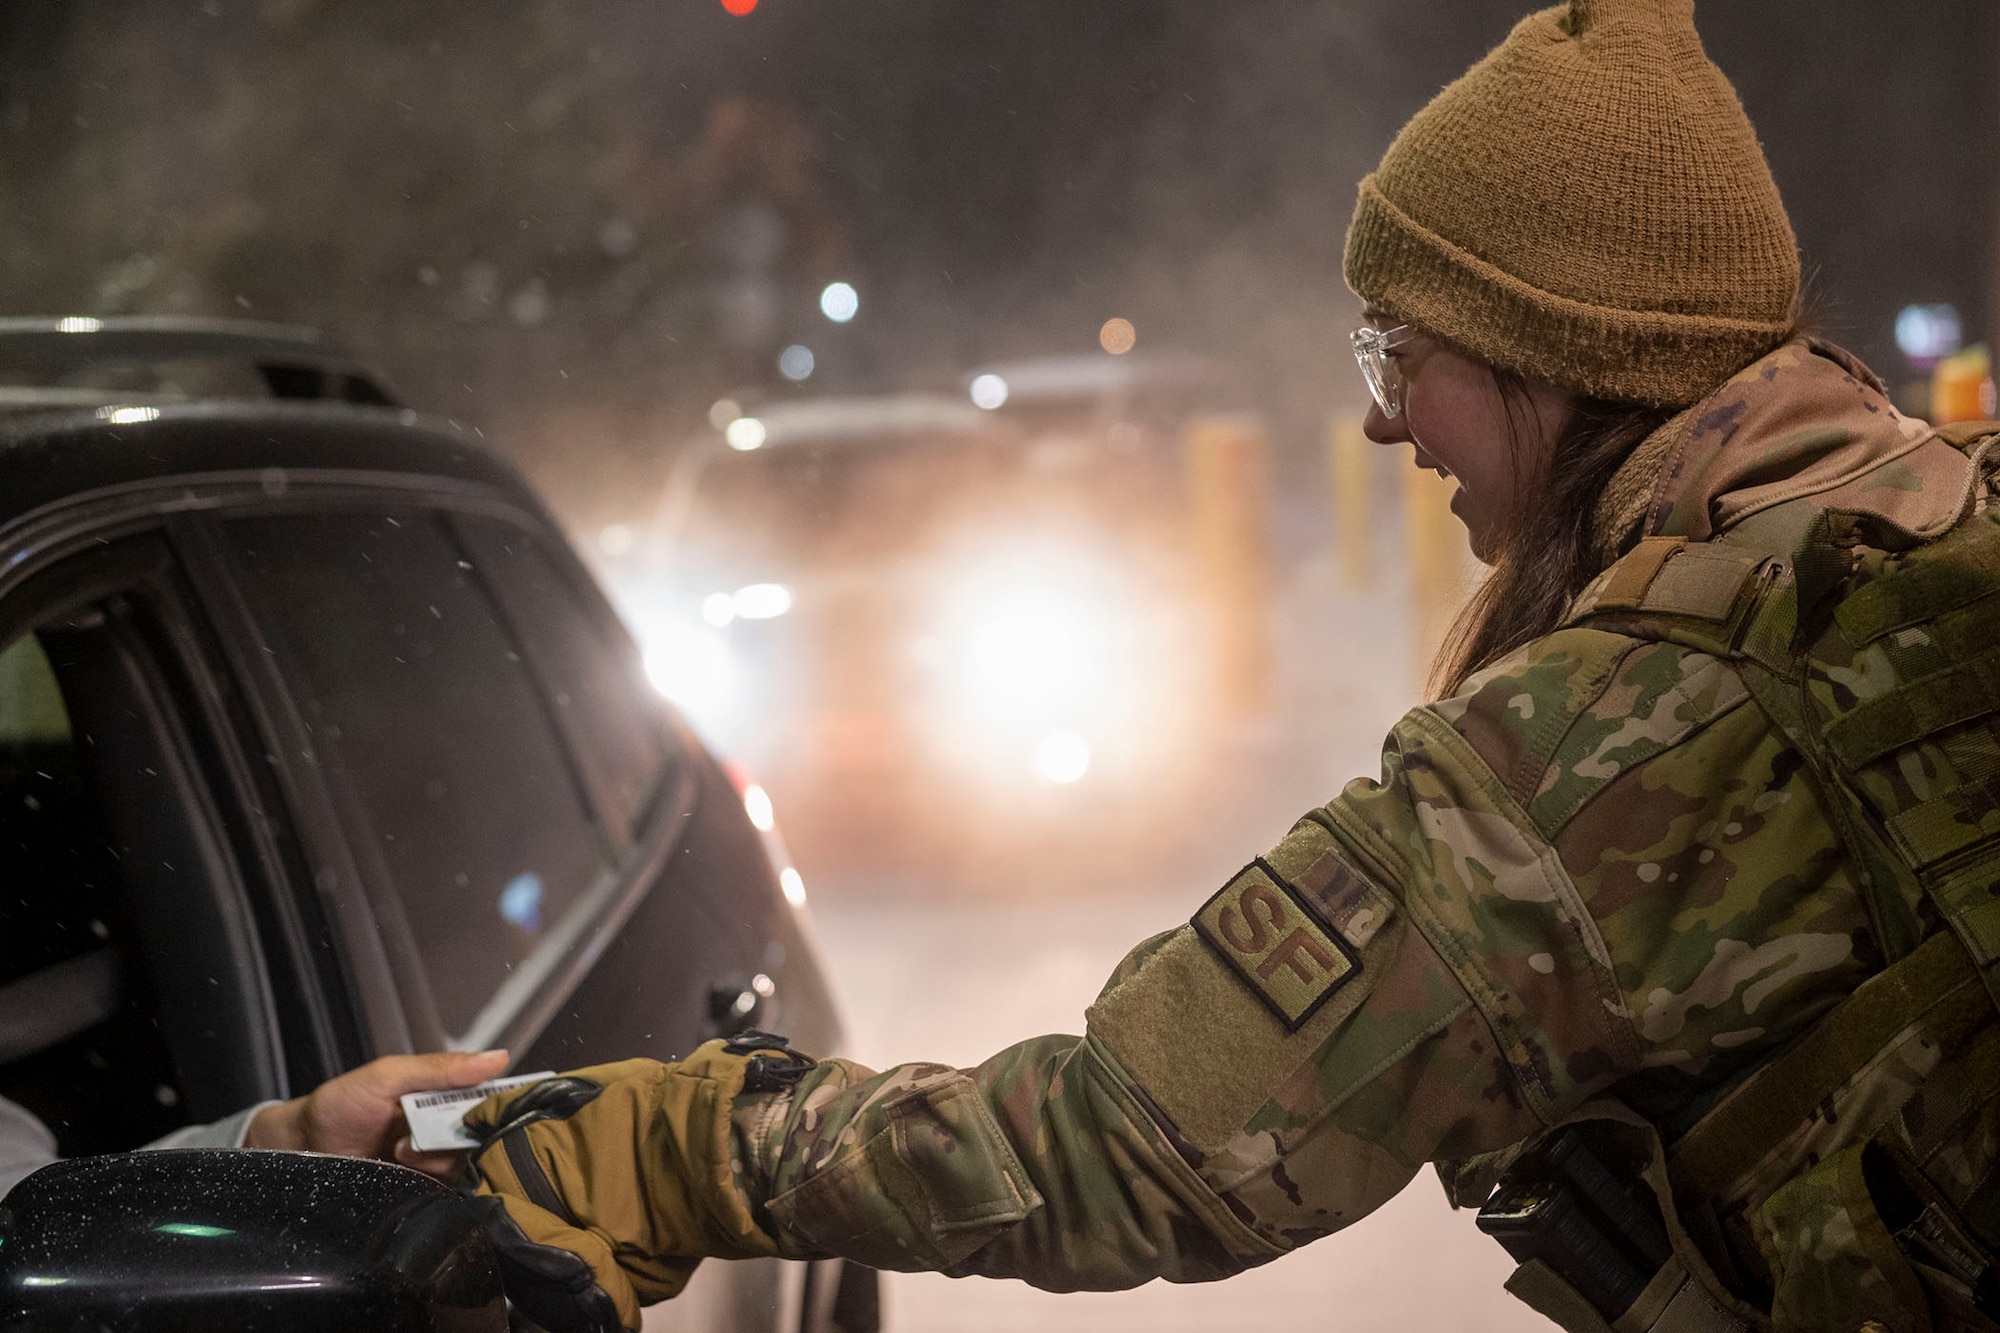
(1385, 429)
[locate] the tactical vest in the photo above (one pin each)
(1853, 1180)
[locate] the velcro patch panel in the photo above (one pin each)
(1278, 945)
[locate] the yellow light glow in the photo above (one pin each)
(757, 805)
(1117, 336)
(745, 434)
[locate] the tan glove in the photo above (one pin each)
(628, 1168)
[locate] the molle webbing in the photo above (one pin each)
(1948, 824)
(1937, 986)
(1917, 710)
(1921, 590)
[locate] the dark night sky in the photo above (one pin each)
(532, 210)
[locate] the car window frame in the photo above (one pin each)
(402, 1015)
(598, 783)
(175, 662)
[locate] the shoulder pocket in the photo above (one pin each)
(934, 1184)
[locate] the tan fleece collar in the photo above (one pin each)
(1807, 422)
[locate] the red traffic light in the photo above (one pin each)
(739, 7)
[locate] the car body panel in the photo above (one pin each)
(122, 542)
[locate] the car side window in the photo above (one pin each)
(588, 666)
(135, 991)
(76, 1046)
(424, 711)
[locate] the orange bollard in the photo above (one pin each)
(1351, 468)
(1229, 481)
(1962, 387)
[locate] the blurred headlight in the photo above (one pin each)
(1034, 656)
(761, 601)
(693, 669)
(1062, 757)
(1040, 646)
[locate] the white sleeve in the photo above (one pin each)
(227, 1132)
(26, 1146)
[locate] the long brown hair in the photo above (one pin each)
(1547, 554)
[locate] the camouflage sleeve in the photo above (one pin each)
(1432, 967)
(1695, 908)
(1262, 1076)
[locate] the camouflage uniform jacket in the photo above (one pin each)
(1596, 869)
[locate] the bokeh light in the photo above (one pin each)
(795, 363)
(1928, 333)
(794, 885)
(1117, 336)
(839, 302)
(745, 434)
(761, 601)
(989, 392)
(757, 805)
(739, 7)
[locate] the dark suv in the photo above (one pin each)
(317, 742)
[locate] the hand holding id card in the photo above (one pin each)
(437, 1119)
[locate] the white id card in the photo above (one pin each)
(437, 1119)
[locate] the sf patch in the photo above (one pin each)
(1279, 946)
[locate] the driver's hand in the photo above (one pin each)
(359, 1115)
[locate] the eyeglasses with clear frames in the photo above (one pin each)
(1385, 378)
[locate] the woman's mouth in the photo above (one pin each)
(1432, 465)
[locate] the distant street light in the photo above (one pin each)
(839, 302)
(795, 363)
(989, 392)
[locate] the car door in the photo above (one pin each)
(547, 859)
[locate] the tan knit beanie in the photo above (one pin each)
(1588, 206)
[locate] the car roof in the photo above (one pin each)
(295, 362)
(55, 457)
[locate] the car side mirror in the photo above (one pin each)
(265, 1241)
